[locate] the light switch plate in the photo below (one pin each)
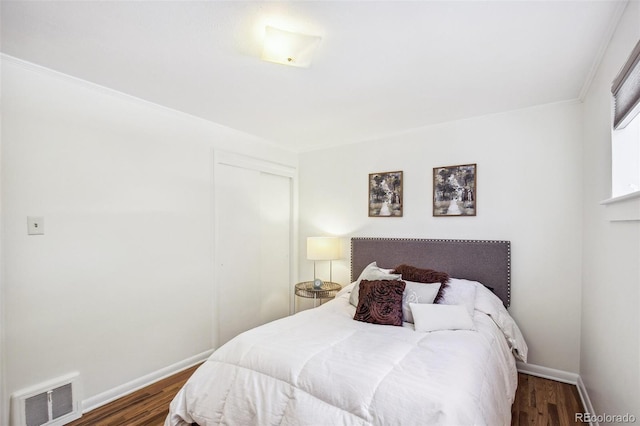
(35, 225)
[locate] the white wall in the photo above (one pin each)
(610, 354)
(121, 284)
(529, 192)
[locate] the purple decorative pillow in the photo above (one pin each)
(411, 273)
(380, 302)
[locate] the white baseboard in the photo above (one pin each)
(134, 385)
(586, 402)
(560, 376)
(548, 373)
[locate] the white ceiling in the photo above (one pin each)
(382, 67)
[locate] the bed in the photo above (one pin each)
(454, 364)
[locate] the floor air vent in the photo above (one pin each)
(54, 403)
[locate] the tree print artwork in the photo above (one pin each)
(385, 194)
(454, 190)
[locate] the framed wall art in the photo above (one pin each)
(385, 194)
(455, 190)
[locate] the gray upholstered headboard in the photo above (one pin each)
(486, 261)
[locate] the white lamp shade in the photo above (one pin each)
(286, 47)
(323, 248)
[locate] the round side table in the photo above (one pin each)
(328, 290)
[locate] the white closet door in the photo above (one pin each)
(275, 244)
(253, 239)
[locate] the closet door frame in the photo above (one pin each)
(227, 158)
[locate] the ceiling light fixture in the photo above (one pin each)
(288, 48)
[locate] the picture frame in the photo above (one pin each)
(455, 190)
(385, 194)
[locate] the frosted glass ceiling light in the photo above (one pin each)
(288, 48)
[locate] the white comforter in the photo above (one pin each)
(320, 367)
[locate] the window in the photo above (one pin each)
(625, 147)
(625, 159)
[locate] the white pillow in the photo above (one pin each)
(371, 273)
(417, 293)
(460, 292)
(430, 317)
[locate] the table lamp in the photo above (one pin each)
(322, 248)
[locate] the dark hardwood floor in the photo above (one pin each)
(545, 402)
(538, 402)
(148, 406)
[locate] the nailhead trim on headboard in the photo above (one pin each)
(498, 267)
